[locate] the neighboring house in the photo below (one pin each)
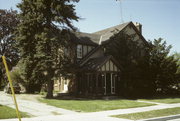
(98, 73)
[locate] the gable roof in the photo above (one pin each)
(90, 53)
(111, 29)
(84, 38)
(107, 33)
(96, 63)
(88, 37)
(98, 37)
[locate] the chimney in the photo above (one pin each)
(138, 26)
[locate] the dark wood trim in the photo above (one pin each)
(109, 65)
(89, 53)
(97, 83)
(82, 51)
(110, 71)
(105, 91)
(113, 67)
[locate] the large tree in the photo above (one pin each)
(8, 23)
(130, 55)
(162, 66)
(41, 36)
(177, 56)
(145, 69)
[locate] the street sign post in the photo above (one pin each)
(12, 89)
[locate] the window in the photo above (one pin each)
(66, 52)
(79, 51)
(85, 50)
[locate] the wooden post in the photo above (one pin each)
(97, 91)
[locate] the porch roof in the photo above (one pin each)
(94, 64)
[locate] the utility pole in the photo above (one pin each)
(120, 1)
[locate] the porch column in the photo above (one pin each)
(88, 87)
(104, 83)
(97, 84)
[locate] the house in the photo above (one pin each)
(99, 74)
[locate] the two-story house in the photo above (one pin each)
(99, 74)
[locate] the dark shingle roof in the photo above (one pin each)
(111, 29)
(97, 37)
(87, 36)
(107, 33)
(95, 63)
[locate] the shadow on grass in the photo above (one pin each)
(62, 96)
(65, 96)
(162, 97)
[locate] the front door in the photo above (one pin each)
(113, 83)
(109, 83)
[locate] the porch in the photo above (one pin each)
(99, 83)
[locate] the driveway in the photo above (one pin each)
(32, 106)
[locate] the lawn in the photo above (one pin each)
(93, 105)
(7, 112)
(165, 100)
(150, 114)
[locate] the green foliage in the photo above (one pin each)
(41, 36)
(162, 67)
(147, 68)
(130, 55)
(177, 56)
(16, 75)
(8, 23)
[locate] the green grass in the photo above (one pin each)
(150, 114)
(165, 100)
(7, 112)
(93, 105)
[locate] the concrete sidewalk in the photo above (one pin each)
(98, 116)
(136, 110)
(45, 112)
(71, 117)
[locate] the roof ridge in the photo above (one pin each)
(111, 27)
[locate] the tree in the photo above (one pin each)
(8, 23)
(41, 35)
(130, 55)
(162, 66)
(177, 56)
(146, 69)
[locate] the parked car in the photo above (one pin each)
(16, 87)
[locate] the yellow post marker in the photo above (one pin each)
(12, 89)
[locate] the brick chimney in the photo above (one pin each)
(138, 26)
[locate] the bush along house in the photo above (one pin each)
(98, 72)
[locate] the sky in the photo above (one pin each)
(159, 18)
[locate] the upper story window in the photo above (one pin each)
(79, 51)
(66, 52)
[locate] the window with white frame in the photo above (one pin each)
(66, 52)
(79, 51)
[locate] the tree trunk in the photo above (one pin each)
(50, 87)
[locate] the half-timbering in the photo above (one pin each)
(98, 73)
